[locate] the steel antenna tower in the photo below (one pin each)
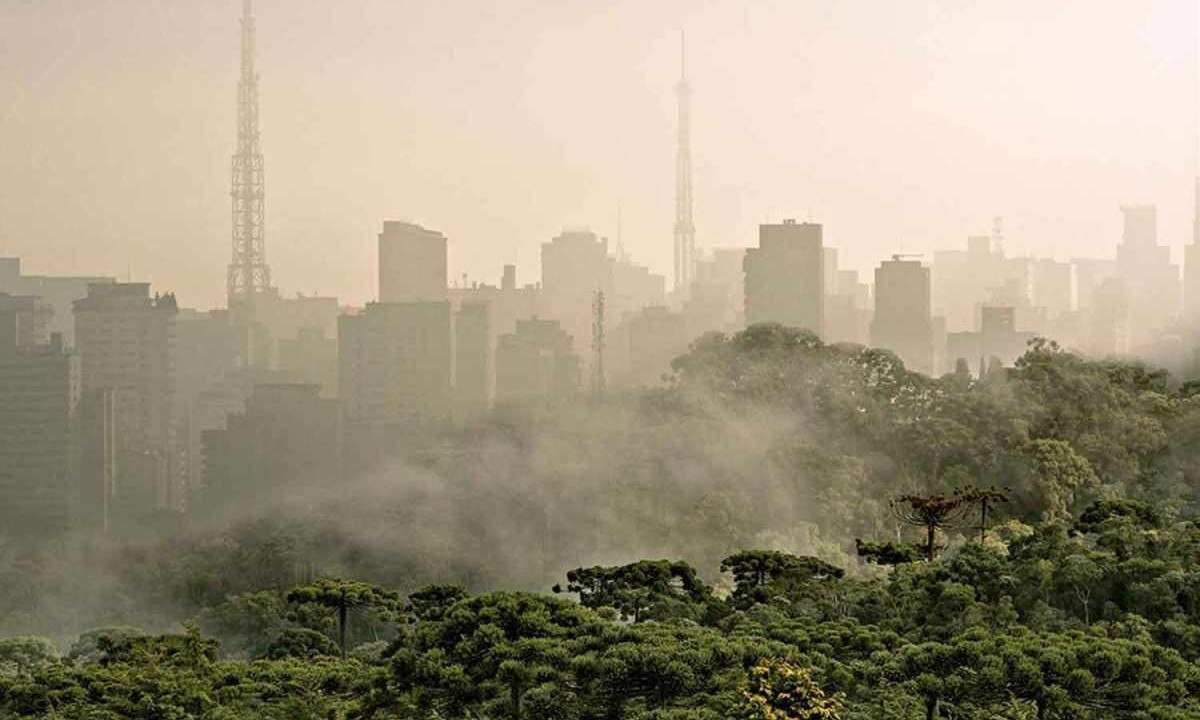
(598, 337)
(685, 230)
(249, 275)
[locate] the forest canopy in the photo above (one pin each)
(783, 529)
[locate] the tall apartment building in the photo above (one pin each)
(1151, 281)
(39, 398)
(537, 364)
(412, 263)
(719, 283)
(785, 276)
(30, 317)
(286, 443)
(394, 362)
(505, 303)
(57, 293)
(575, 265)
(472, 365)
(124, 338)
(903, 318)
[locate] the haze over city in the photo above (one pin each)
(899, 127)
(599, 361)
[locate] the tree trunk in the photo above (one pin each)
(515, 694)
(932, 708)
(930, 543)
(342, 628)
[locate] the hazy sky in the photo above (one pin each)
(902, 125)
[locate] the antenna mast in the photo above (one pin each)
(249, 275)
(685, 230)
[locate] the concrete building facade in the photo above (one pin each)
(785, 276)
(903, 317)
(412, 263)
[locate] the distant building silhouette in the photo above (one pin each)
(394, 363)
(1191, 266)
(505, 303)
(56, 293)
(287, 441)
(1151, 281)
(903, 321)
(472, 358)
(784, 276)
(537, 364)
(39, 400)
(575, 265)
(311, 357)
(997, 340)
(124, 339)
(650, 339)
(412, 263)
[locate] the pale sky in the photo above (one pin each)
(902, 125)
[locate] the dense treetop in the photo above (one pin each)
(825, 534)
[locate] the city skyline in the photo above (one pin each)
(323, 243)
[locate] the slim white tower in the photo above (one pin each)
(685, 230)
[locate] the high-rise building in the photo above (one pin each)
(537, 364)
(124, 339)
(55, 294)
(28, 316)
(506, 304)
(39, 397)
(718, 299)
(412, 263)
(848, 309)
(575, 266)
(1191, 267)
(394, 363)
(1151, 282)
(785, 276)
(903, 317)
(1051, 281)
(997, 343)
(311, 358)
(1109, 319)
(472, 371)
(652, 338)
(286, 443)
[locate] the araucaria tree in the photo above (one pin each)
(931, 512)
(343, 596)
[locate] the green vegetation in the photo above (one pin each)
(848, 540)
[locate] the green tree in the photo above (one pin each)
(780, 690)
(344, 596)
(760, 575)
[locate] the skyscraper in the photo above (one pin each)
(685, 230)
(1151, 282)
(785, 276)
(412, 263)
(39, 393)
(249, 276)
(124, 339)
(1191, 267)
(903, 322)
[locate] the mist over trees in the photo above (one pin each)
(783, 529)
